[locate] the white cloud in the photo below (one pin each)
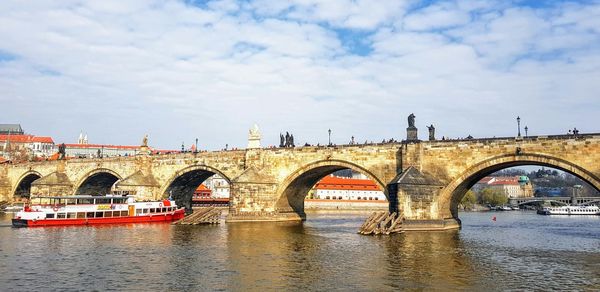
(436, 17)
(357, 14)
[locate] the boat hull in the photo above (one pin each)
(157, 217)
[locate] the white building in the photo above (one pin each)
(218, 186)
(512, 187)
(36, 145)
(341, 188)
(42, 146)
(84, 149)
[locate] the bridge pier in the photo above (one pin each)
(414, 194)
(253, 199)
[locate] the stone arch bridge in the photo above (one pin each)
(424, 180)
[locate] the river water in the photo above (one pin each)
(520, 250)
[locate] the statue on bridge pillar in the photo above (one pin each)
(144, 149)
(281, 140)
(411, 131)
(62, 151)
(431, 132)
(411, 120)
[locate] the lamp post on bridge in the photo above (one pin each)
(196, 149)
(329, 131)
(526, 131)
(519, 126)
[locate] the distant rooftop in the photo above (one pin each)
(11, 128)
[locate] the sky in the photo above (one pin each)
(181, 70)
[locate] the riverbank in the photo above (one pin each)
(346, 205)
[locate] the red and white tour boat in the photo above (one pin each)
(91, 210)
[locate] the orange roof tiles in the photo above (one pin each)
(202, 187)
(25, 139)
(16, 138)
(340, 183)
(43, 140)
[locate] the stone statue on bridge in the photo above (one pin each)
(411, 131)
(145, 141)
(62, 151)
(431, 132)
(287, 141)
(411, 120)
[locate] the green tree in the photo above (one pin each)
(499, 198)
(492, 197)
(469, 200)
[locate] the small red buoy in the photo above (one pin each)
(494, 218)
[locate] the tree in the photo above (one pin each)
(469, 200)
(499, 198)
(492, 197)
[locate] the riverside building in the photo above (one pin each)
(342, 188)
(512, 186)
(85, 150)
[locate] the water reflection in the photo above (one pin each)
(424, 259)
(519, 251)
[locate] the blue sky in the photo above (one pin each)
(180, 70)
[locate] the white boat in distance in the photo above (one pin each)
(570, 210)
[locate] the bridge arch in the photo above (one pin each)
(23, 186)
(292, 191)
(183, 183)
(97, 181)
(451, 195)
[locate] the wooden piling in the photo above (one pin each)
(210, 215)
(382, 223)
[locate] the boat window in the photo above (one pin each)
(146, 210)
(71, 215)
(70, 201)
(139, 211)
(124, 213)
(103, 201)
(152, 210)
(49, 215)
(61, 215)
(108, 214)
(80, 215)
(99, 214)
(89, 215)
(163, 210)
(84, 201)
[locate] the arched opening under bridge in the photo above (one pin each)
(23, 189)
(198, 186)
(98, 182)
(489, 178)
(331, 184)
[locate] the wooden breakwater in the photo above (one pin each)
(210, 215)
(382, 223)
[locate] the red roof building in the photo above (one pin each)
(341, 188)
(342, 183)
(38, 145)
(508, 185)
